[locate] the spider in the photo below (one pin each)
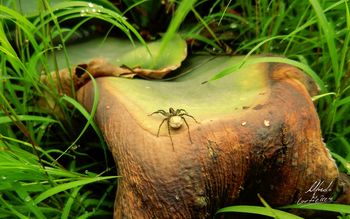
(175, 119)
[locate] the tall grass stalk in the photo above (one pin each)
(183, 9)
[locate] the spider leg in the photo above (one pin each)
(161, 112)
(171, 139)
(185, 114)
(181, 111)
(161, 125)
(188, 129)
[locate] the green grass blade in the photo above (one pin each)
(344, 101)
(343, 161)
(328, 33)
(340, 208)
(267, 206)
(211, 32)
(69, 203)
(314, 98)
(86, 9)
(346, 43)
(66, 186)
(257, 210)
(180, 14)
(89, 117)
(134, 5)
(27, 200)
(12, 209)
(5, 119)
(255, 60)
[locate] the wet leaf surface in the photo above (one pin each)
(116, 57)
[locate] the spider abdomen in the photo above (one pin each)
(175, 122)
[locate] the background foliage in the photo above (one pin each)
(53, 165)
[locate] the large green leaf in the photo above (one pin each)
(120, 57)
(171, 56)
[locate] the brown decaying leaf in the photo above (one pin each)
(98, 67)
(79, 75)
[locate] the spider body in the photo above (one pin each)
(175, 122)
(174, 119)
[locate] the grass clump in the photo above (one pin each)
(46, 169)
